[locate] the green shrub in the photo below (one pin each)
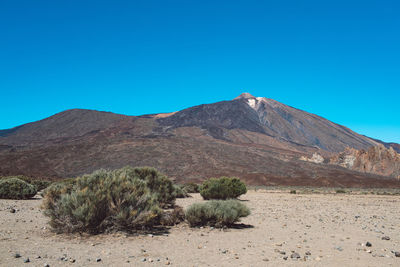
(102, 201)
(158, 183)
(217, 213)
(39, 183)
(54, 191)
(179, 192)
(293, 192)
(191, 188)
(222, 188)
(340, 191)
(14, 188)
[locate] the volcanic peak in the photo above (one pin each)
(245, 96)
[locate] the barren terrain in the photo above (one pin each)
(257, 139)
(324, 229)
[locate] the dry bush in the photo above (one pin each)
(106, 201)
(172, 217)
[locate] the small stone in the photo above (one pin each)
(150, 260)
(38, 257)
(285, 258)
(265, 259)
(17, 255)
(72, 260)
(98, 260)
(397, 253)
(295, 255)
(12, 210)
(308, 253)
(144, 259)
(167, 263)
(368, 244)
(224, 251)
(385, 238)
(339, 248)
(46, 265)
(27, 260)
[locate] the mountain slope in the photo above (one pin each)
(66, 124)
(257, 139)
(269, 117)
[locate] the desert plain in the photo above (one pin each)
(327, 229)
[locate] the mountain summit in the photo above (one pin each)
(271, 118)
(255, 138)
(245, 96)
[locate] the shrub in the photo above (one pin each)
(222, 188)
(14, 188)
(54, 191)
(217, 213)
(39, 183)
(191, 188)
(340, 191)
(158, 183)
(293, 192)
(179, 192)
(102, 201)
(170, 218)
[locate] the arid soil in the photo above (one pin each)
(324, 229)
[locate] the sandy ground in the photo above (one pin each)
(332, 228)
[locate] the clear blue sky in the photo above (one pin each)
(338, 59)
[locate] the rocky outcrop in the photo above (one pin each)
(378, 160)
(316, 158)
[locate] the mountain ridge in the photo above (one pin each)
(260, 141)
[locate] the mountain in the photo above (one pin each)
(268, 117)
(257, 139)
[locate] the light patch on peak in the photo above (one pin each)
(252, 103)
(259, 98)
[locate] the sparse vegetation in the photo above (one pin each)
(180, 192)
(39, 183)
(126, 199)
(158, 183)
(340, 191)
(217, 213)
(15, 188)
(55, 190)
(293, 192)
(222, 188)
(170, 218)
(191, 188)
